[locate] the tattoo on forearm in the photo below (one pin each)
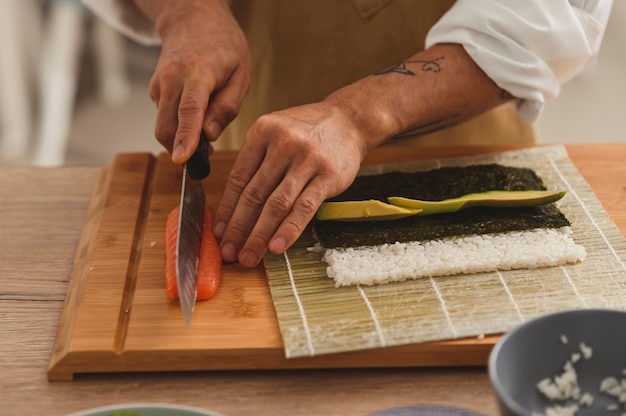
(431, 65)
(397, 68)
(431, 127)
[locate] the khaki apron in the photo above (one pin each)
(302, 50)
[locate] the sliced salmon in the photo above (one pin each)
(209, 263)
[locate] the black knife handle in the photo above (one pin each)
(198, 165)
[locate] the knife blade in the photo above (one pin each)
(190, 224)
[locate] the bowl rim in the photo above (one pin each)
(144, 405)
(420, 409)
(496, 384)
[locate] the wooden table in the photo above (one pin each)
(41, 215)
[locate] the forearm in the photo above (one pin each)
(432, 90)
(164, 13)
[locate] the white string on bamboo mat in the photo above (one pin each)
(571, 282)
(305, 324)
(510, 296)
(379, 331)
(442, 302)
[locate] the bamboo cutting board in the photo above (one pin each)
(117, 318)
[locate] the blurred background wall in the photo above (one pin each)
(74, 91)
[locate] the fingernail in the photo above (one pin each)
(248, 259)
(213, 130)
(229, 252)
(218, 229)
(178, 153)
(278, 245)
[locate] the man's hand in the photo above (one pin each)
(203, 72)
(290, 162)
(294, 159)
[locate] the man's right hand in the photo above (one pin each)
(203, 71)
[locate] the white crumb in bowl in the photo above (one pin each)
(586, 400)
(152, 243)
(587, 351)
(565, 389)
(610, 386)
(563, 386)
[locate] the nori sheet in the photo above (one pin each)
(435, 185)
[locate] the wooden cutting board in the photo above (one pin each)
(117, 318)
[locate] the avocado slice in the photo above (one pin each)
(486, 199)
(369, 210)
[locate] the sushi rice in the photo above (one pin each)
(371, 265)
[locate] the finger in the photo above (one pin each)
(225, 104)
(280, 207)
(293, 225)
(167, 115)
(191, 109)
(154, 90)
(251, 201)
(246, 164)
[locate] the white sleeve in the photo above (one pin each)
(527, 47)
(126, 18)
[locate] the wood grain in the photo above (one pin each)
(600, 164)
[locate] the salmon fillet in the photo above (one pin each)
(209, 263)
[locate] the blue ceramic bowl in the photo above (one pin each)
(540, 349)
(426, 410)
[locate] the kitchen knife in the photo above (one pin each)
(190, 224)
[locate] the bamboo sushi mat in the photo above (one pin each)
(317, 318)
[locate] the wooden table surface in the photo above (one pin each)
(42, 211)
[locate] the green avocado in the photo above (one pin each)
(499, 199)
(369, 210)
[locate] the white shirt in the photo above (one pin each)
(527, 47)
